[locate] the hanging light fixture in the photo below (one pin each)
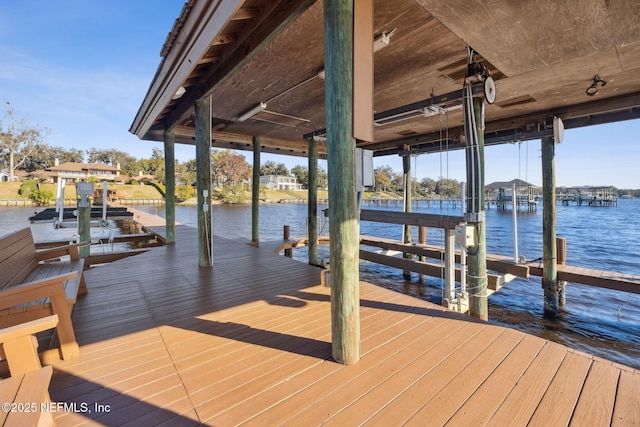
(179, 92)
(593, 89)
(380, 42)
(383, 40)
(255, 110)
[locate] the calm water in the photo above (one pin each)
(597, 321)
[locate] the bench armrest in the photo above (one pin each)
(20, 347)
(32, 291)
(10, 333)
(52, 288)
(59, 251)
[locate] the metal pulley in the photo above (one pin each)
(490, 89)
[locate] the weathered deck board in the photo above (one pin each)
(558, 403)
(478, 409)
(627, 409)
(594, 404)
(454, 394)
(248, 342)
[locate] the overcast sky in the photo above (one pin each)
(82, 68)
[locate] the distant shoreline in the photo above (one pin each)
(22, 203)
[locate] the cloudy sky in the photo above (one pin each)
(81, 69)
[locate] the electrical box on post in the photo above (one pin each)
(464, 235)
(84, 188)
(364, 169)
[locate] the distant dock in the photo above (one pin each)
(49, 214)
(600, 196)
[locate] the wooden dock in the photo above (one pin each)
(247, 342)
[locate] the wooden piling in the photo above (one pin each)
(203, 178)
(84, 226)
(312, 213)
(406, 232)
(449, 265)
(286, 235)
(422, 240)
(170, 192)
(561, 254)
(255, 193)
(549, 249)
(343, 209)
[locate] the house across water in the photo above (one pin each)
(280, 182)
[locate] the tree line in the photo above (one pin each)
(22, 147)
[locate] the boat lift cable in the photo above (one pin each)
(442, 281)
(471, 138)
(473, 157)
(520, 178)
(526, 178)
(206, 205)
(467, 110)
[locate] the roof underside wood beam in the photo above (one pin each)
(237, 141)
(275, 17)
(247, 52)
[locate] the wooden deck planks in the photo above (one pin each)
(436, 374)
(332, 386)
(337, 391)
(320, 385)
(558, 403)
(597, 398)
(451, 397)
(627, 409)
(248, 342)
(390, 372)
(478, 409)
(520, 404)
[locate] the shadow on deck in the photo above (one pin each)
(248, 341)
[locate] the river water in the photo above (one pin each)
(597, 321)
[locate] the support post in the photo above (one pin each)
(84, 190)
(463, 250)
(105, 191)
(286, 235)
(203, 178)
(549, 250)
(59, 203)
(449, 266)
(561, 248)
(312, 214)
(422, 240)
(477, 261)
(514, 218)
(84, 226)
(255, 193)
(61, 211)
(406, 231)
(170, 193)
(343, 209)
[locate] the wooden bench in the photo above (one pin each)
(37, 283)
(27, 390)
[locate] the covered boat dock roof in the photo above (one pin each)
(254, 75)
(267, 58)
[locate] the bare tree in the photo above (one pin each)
(18, 139)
